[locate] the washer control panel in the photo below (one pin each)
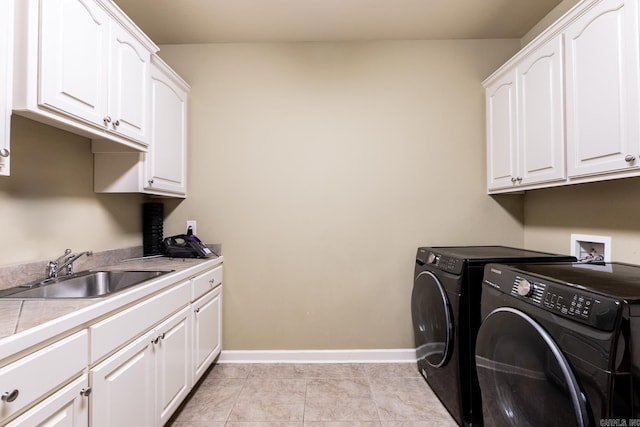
(563, 299)
(440, 261)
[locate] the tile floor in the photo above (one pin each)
(301, 395)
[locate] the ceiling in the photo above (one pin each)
(222, 21)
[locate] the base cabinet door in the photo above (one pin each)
(124, 386)
(173, 363)
(207, 326)
(69, 407)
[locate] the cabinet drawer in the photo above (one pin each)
(110, 334)
(42, 372)
(203, 283)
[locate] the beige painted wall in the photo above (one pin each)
(48, 203)
(322, 167)
(608, 208)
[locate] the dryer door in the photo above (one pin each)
(525, 380)
(432, 320)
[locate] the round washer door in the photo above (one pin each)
(432, 320)
(525, 380)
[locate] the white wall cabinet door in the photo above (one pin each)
(6, 84)
(541, 137)
(207, 328)
(129, 91)
(502, 131)
(68, 407)
(74, 40)
(124, 386)
(602, 89)
(173, 363)
(166, 161)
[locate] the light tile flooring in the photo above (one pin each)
(301, 395)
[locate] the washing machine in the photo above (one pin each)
(445, 307)
(559, 345)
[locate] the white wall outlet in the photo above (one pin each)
(193, 224)
(587, 247)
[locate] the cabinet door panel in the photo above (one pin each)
(207, 330)
(6, 83)
(74, 56)
(124, 387)
(166, 160)
(602, 89)
(130, 86)
(540, 123)
(66, 408)
(502, 149)
(173, 367)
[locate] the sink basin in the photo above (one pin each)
(88, 284)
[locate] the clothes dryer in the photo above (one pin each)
(559, 345)
(445, 307)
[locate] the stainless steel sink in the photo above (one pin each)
(88, 284)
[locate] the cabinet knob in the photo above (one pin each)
(513, 179)
(629, 158)
(519, 179)
(150, 182)
(107, 120)
(4, 152)
(10, 396)
(197, 310)
(85, 392)
(116, 124)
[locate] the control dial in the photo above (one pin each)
(525, 288)
(433, 258)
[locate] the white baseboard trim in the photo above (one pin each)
(401, 355)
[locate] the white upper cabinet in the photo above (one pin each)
(166, 161)
(502, 131)
(525, 133)
(566, 108)
(6, 83)
(130, 78)
(74, 36)
(162, 170)
(602, 89)
(84, 67)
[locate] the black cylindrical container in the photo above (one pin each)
(152, 219)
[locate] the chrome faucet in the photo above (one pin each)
(54, 267)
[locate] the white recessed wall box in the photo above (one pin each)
(588, 247)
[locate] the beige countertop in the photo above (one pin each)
(25, 323)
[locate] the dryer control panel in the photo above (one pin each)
(563, 299)
(442, 262)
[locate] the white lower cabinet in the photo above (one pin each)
(124, 386)
(41, 373)
(144, 383)
(173, 363)
(69, 407)
(207, 330)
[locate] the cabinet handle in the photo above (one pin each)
(10, 396)
(4, 152)
(107, 120)
(629, 158)
(158, 338)
(212, 282)
(197, 310)
(85, 392)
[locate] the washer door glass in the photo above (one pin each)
(525, 380)
(433, 324)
